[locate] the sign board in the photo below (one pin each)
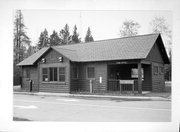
(126, 81)
(121, 62)
(100, 79)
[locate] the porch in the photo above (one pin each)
(129, 77)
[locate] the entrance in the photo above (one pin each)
(118, 72)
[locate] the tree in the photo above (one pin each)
(159, 25)
(65, 35)
(21, 40)
(129, 28)
(54, 39)
(75, 36)
(20, 44)
(43, 39)
(88, 37)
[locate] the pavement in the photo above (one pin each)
(145, 95)
(85, 109)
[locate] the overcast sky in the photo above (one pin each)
(103, 24)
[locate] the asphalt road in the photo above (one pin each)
(40, 108)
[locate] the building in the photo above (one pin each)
(124, 64)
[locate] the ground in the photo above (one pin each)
(44, 108)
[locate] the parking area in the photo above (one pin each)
(46, 108)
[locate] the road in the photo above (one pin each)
(43, 108)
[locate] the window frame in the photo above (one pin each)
(73, 73)
(62, 74)
(154, 70)
(47, 74)
(88, 72)
(161, 70)
(53, 74)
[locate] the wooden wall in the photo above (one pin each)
(53, 61)
(83, 83)
(32, 76)
(158, 81)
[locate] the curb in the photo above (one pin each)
(94, 96)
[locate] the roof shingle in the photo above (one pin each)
(137, 47)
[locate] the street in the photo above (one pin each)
(46, 108)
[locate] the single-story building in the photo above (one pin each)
(123, 64)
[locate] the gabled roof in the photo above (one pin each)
(136, 47)
(33, 58)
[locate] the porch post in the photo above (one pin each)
(139, 78)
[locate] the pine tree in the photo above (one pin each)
(43, 39)
(75, 36)
(88, 37)
(65, 35)
(21, 40)
(54, 39)
(129, 28)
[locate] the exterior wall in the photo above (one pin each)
(53, 61)
(33, 75)
(158, 81)
(83, 83)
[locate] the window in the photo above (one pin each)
(134, 73)
(75, 72)
(161, 70)
(45, 74)
(53, 74)
(62, 74)
(155, 70)
(90, 72)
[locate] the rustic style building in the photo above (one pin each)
(123, 64)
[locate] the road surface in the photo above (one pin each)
(43, 108)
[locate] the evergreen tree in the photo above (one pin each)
(43, 39)
(88, 37)
(54, 39)
(21, 40)
(129, 28)
(65, 35)
(75, 36)
(20, 44)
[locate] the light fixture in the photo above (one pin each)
(43, 60)
(60, 59)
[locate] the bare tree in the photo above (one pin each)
(129, 28)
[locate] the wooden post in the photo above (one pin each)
(91, 88)
(139, 79)
(120, 87)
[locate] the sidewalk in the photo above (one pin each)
(144, 96)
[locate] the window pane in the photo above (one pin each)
(44, 71)
(62, 78)
(62, 70)
(55, 74)
(45, 77)
(155, 69)
(90, 72)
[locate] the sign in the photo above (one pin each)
(121, 62)
(126, 81)
(100, 79)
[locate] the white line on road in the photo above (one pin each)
(26, 107)
(92, 105)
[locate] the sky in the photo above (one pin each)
(104, 24)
